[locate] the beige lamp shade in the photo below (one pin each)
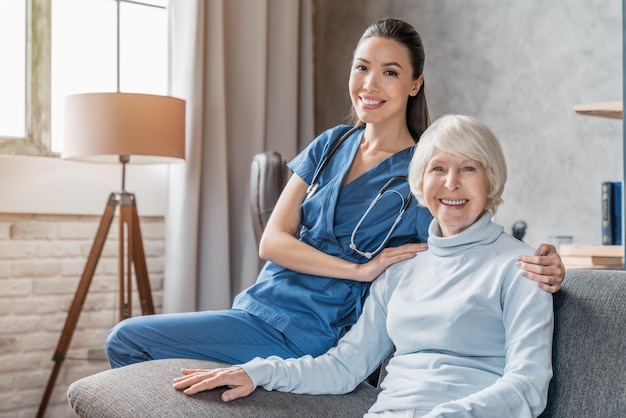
(101, 127)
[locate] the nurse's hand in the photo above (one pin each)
(199, 380)
(545, 267)
(369, 271)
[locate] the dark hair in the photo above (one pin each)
(417, 118)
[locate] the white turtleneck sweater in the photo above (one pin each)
(472, 336)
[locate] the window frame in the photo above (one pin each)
(38, 79)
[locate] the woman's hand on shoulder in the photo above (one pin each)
(199, 380)
(545, 267)
(369, 271)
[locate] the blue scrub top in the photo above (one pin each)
(313, 311)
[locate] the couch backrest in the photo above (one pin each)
(589, 350)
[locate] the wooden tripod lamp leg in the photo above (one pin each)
(131, 256)
(136, 258)
(79, 298)
(124, 261)
(135, 248)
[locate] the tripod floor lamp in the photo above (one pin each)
(121, 128)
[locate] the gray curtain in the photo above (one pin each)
(244, 68)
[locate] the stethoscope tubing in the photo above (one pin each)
(405, 206)
(310, 191)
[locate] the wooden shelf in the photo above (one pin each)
(611, 110)
(591, 250)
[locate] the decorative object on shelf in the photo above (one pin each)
(519, 230)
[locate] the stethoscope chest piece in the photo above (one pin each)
(310, 191)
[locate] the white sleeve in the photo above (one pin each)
(343, 367)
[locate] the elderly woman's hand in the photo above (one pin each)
(198, 380)
(545, 267)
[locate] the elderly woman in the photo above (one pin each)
(472, 337)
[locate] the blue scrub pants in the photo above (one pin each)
(231, 336)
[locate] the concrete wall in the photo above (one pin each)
(520, 67)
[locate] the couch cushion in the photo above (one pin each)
(145, 390)
(589, 352)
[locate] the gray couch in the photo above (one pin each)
(589, 371)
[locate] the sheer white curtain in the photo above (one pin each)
(244, 68)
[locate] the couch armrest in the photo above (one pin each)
(145, 390)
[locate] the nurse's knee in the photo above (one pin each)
(118, 344)
(122, 334)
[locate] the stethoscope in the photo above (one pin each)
(405, 204)
(310, 191)
(386, 187)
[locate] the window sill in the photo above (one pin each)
(46, 185)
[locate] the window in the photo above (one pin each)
(13, 80)
(69, 47)
(19, 98)
(84, 51)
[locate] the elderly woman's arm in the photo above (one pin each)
(338, 371)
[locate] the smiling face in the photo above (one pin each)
(455, 191)
(381, 80)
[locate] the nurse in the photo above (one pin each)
(325, 247)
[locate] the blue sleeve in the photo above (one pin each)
(305, 163)
(422, 221)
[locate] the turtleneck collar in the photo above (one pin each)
(481, 232)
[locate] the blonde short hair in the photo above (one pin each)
(466, 136)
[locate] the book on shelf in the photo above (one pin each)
(612, 213)
(617, 213)
(591, 250)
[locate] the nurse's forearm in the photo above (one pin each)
(289, 252)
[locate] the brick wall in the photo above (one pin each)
(41, 261)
